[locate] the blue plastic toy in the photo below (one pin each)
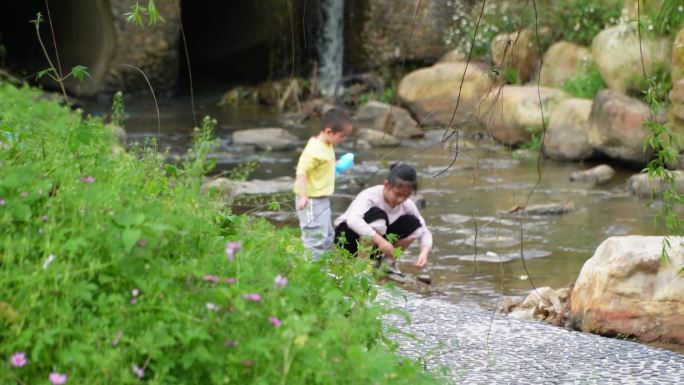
(345, 162)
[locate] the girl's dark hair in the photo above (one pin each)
(335, 119)
(403, 174)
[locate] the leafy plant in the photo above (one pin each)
(587, 83)
(114, 270)
(79, 72)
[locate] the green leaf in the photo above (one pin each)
(80, 72)
(21, 211)
(153, 13)
(48, 71)
(130, 237)
(129, 219)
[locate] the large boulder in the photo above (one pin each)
(378, 138)
(644, 186)
(431, 93)
(511, 113)
(390, 119)
(561, 61)
(384, 32)
(676, 111)
(677, 72)
(276, 139)
(517, 51)
(619, 59)
(628, 288)
(566, 134)
(616, 126)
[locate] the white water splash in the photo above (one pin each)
(331, 45)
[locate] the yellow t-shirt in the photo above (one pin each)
(317, 161)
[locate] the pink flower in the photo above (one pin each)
(232, 248)
(230, 343)
(2, 202)
(274, 321)
(280, 281)
(23, 194)
(87, 179)
(19, 359)
(139, 372)
(58, 378)
(142, 243)
(253, 297)
(210, 278)
(229, 280)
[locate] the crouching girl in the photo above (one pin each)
(382, 210)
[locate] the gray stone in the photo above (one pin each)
(276, 139)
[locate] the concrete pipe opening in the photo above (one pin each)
(83, 32)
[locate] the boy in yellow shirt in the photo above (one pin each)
(315, 182)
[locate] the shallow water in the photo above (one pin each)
(480, 251)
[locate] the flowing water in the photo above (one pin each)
(331, 45)
(478, 246)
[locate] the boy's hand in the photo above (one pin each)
(302, 202)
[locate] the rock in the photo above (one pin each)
(543, 209)
(379, 33)
(431, 93)
(597, 175)
(616, 126)
(391, 119)
(453, 56)
(232, 188)
(425, 278)
(566, 134)
(643, 186)
(676, 111)
(677, 72)
(618, 57)
(627, 288)
(509, 113)
(516, 50)
(378, 138)
(118, 132)
(543, 304)
(561, 61)
(276, 139)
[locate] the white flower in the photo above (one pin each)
(212, 307)
(48, 261)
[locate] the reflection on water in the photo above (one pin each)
(477, 253)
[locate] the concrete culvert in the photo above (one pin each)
(83, 32)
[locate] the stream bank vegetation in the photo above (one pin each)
(117, 269)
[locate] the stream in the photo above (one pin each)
(477, 245)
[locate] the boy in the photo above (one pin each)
(315, 182)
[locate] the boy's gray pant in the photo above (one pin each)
(316, 224)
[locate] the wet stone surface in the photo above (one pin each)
(474, 348)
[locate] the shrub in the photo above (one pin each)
(586, 84)
(114, 268)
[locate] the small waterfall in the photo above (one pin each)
(331, 45)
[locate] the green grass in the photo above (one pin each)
(112, 261)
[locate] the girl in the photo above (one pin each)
(386, 209)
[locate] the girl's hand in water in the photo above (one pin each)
(422, 258)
